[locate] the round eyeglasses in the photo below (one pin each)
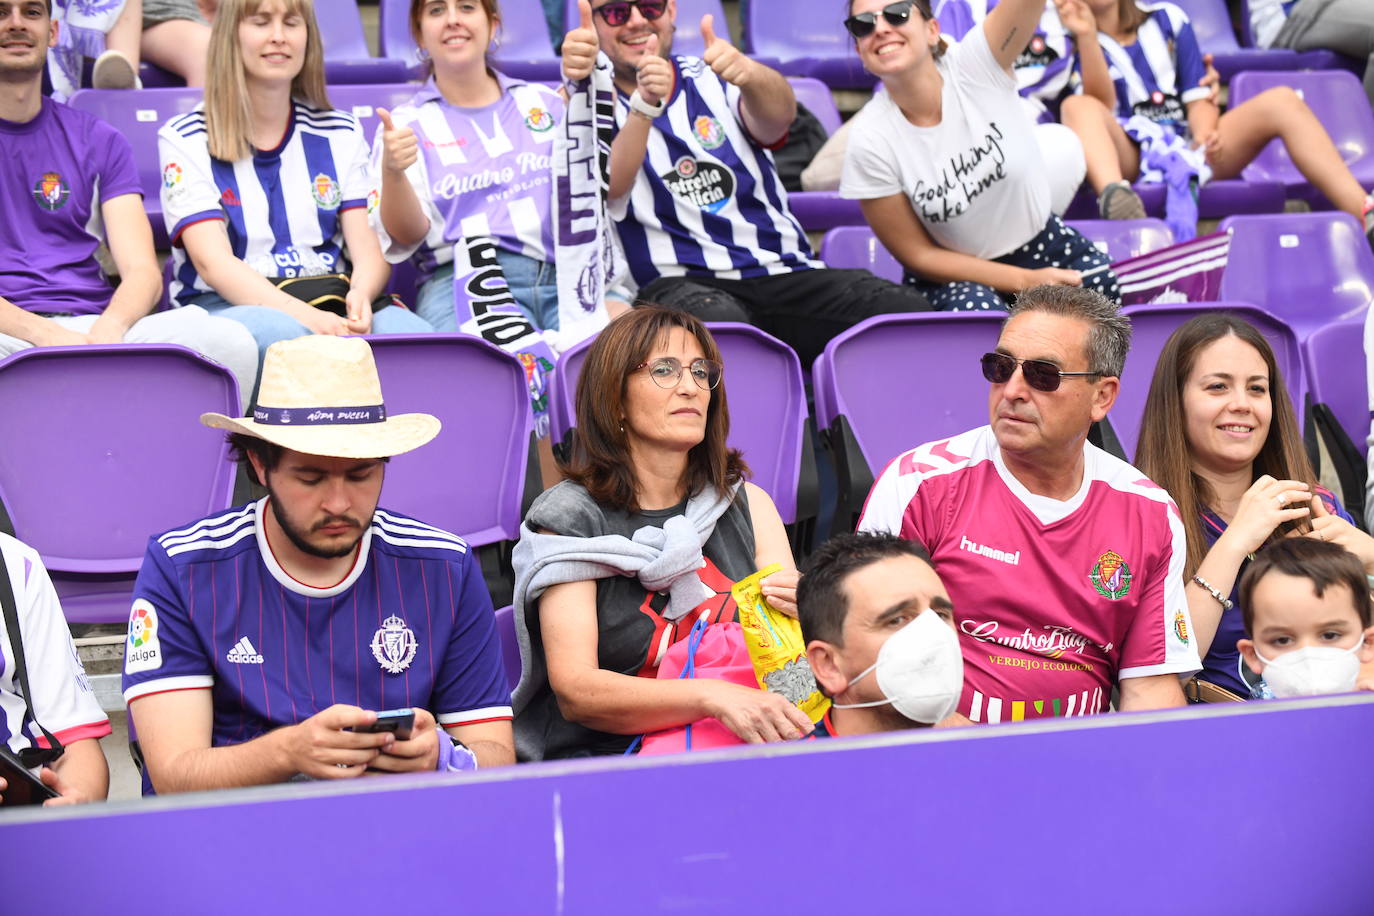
(666, 372)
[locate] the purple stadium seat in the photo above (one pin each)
(1151, 326)
(103, 449)
(363, 99)
(816, 96)
(819, 211)
(768, 414)
(393, 34)
(893, 382)
(1339, 102)
(1307, 268)
(687, 36)
(510, 645)
(1335, 357)
(1126, 238)
(1220, 198)
(808, 38)
(857, 246)
(346, 55)
(1212, 25)
(138, 116)
(470, 480)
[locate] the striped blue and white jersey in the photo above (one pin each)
(280, 206)
(1043, 68)
(708, 200)
(410, 625)
(1157, 75)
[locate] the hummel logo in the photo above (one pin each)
(243, 653)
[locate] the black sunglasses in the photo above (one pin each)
(618, 12)
(1040, 375)
(863, 24)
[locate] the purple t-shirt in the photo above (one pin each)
(56, 170)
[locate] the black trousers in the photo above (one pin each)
(804, 308)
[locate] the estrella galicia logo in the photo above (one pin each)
(707, 185)
(1036, 54)
(1166, 109)
(51, 192)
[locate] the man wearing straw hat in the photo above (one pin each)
(264, 640)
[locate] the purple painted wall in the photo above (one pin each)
(1259, 809)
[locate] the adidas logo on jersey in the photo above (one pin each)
(243, 653)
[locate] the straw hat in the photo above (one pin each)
(320, 395)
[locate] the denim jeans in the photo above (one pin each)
(533, 283)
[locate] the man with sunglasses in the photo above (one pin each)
(700, 208)
(1064, 562)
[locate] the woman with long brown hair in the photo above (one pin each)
(651, 526)
(1220, 435)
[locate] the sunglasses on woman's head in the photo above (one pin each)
(863, 24)
(998, 368)
(618, 11)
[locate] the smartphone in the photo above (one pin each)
(24, 787)
(399, 721)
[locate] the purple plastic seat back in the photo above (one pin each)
(816, 96)
(808, 38)
(103, 448)
(1125, 238)
(139, 116)
(1212, 25)
(1151, 326)
(687, 34)
(1219, 198)
(510, 645)
(857, 246)
(1307, 268)
(363, 99)
(347, 59)
(470, 479)
(1338, 100)
(1334, 356)
(768, 410)
(393, 33)
(902, 380)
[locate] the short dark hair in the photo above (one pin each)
(821, 601)
(1325, 564)
(241, 445)
(1109, 334)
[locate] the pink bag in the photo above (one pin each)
(718, 652)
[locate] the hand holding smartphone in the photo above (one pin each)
(23, 787)
(398, 721)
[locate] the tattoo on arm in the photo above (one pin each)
(1007, 42)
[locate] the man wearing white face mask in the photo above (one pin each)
(879, 634)
(1307, 609)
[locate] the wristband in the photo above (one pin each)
(1226, 603)
(454, 756)
(638, 104)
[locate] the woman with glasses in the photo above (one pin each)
(1238, 473)
(651, 526)
(470, 155)
(946, 166)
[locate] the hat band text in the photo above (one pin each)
(319, 416)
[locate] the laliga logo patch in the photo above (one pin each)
(326, 192)
(373, 198)
(708, 132)
(143, 652)
(1036, 54)
(51, 192)
(1111, 576)
(394, 645)
(700, 183)
(171, 175)
(539, 120)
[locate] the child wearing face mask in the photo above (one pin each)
(1307, 611)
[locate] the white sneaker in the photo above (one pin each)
(113, 70)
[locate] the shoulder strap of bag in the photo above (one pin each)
(32, 756)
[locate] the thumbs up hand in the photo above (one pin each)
(655, 75)
(724, 58)
(580, 45)
(400, 149)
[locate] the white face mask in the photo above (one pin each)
(1313, 670)
(920, 670)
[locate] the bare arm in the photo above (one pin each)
(771, 546)
(79, 775)
(1157, 691)
(37, 330)
(402, 213)
(1078, 19)
(767, 103)
(627, 153)
(1009, 28)
(370, 269)
(492, 743)
(174, 732)
(1203, 115)
(897, 227)
(140, 281)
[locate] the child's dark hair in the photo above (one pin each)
(1325, 564)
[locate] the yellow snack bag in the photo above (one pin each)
(776, 647)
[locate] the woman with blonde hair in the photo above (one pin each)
(265, 188)
(1220, 435)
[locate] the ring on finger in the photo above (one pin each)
(1283, 500)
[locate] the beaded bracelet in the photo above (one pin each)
(1226, 603)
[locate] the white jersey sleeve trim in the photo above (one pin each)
(473, 716)
(1177, 667)
(168, 684)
